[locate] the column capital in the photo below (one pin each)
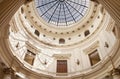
(116, 71)
(8, 71)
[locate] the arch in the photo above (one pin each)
(61, 41)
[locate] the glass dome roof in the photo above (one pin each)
(62, 12)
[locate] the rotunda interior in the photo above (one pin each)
(63, 39)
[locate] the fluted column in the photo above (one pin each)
(8, 9)
(118, 30)
(113, 8)
(1, 72)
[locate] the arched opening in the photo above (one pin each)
(61, 41)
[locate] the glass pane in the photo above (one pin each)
(62, 12)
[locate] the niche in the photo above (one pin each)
(86, 33)
(61, 41)
(37, 33)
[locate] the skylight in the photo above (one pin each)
(62, 12)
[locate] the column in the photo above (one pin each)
(8, 73)
(116, 74)
(1, 71)
(113, 8)
(8, 9)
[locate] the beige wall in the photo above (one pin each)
(9, 7)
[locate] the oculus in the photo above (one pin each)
(62, 12)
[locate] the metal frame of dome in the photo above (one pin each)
(62, 12)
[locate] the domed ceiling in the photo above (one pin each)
(45, 31)
(63, 23)
(62, 12)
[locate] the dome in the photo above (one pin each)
(62, 12)
(40, 43)
(62, 39)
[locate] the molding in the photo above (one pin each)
(91, 48)
(32, 48)
(62, 56)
